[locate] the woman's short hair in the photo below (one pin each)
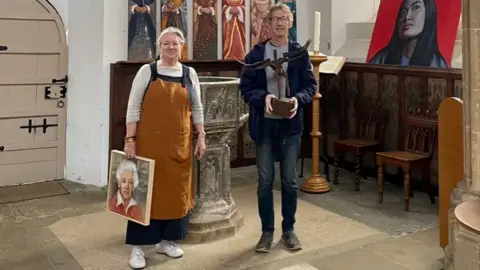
(172, 30)
(284, 8)
(128, 165)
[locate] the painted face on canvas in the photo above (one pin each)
(262, 5)
(411, 19)
(280, 22)
(170, 46)
(126, 184)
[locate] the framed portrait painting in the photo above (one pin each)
(130, 187)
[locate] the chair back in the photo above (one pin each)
(372, 118)
(421, 132)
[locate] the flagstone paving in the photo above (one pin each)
(340, 230)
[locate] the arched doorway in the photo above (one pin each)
(33, 91)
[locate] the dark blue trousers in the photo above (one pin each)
(275, 146)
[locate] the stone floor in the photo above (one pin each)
(340, 230)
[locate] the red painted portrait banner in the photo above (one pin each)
(415, 33)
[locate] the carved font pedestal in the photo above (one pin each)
(215, 215)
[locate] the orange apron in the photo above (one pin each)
(164, 134)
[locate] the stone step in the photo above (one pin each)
(359, 30)
(302, 266)
(355, 50)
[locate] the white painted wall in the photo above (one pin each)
(335, 15)
(345, 11)
(377, 3)
(62, 8)
(94, 41)
(115, 33)
(306, 20)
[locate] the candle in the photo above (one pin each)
(316, 32)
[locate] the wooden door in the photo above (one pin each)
(33, 77)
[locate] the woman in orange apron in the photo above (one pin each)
(163, 103)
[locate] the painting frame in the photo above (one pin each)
(114, 192)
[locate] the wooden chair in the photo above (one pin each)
(420, 139)
(369, 137)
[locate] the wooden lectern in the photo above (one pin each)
(316, 183)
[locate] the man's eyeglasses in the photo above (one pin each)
(279, 19)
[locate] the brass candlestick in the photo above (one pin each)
(316, 183)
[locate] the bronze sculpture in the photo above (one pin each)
(281, 106)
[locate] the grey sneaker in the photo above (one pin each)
(291, 241)
(265, 243)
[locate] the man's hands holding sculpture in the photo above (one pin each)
(295, 107)
(268, 105)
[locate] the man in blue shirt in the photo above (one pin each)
(277, 138)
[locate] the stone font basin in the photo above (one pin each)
(222, 102)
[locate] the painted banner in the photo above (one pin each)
(260, 29)
(415, 33)
(141, 30)
(233, 25)
(205, 45)
(174, 13)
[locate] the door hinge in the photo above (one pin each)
(44, 126)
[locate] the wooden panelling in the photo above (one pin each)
(397, 88)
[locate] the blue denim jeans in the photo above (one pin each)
(272, 147)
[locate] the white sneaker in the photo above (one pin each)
(137, 258)
(169, 248)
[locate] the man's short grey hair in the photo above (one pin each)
(284, 8)
(128, 165)
(172, 30)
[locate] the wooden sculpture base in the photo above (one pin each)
(282, 107)
(315, 184)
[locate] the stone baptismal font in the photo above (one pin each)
(215, 215)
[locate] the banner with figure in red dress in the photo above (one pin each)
(233, 22)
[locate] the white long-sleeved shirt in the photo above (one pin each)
(140, 83)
